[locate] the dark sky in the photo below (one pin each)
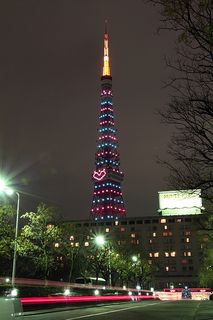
(50, 67)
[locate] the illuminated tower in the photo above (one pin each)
(107, 201)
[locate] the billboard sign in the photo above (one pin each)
(180, 202)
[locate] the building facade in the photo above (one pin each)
(170, 244)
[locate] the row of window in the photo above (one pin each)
(166, 254)
(173, 268)
(142, 221)
(125, 242)
(170, 254)
(154, 234)
(151, 254)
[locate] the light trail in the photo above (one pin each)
(79, 299)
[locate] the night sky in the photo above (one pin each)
(50, 68)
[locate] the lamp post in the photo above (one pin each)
(135, 260)
(9, 191)
(100, 241)
(15, 243)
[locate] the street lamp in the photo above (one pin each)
(16, 235)
(100, 241)
(134, 258)
(9, 191)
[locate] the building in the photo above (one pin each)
(169, 243)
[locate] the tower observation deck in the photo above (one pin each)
(107, 203)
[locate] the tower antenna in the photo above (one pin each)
(106, 66)
(105, 26)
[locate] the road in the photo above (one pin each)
(145, 310)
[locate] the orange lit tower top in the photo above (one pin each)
(106, 66)
(107, 203)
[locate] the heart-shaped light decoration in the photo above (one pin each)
(99, 174)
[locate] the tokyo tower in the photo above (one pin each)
(107, 203)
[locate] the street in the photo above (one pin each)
(151, 310)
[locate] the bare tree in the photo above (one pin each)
(190, 110)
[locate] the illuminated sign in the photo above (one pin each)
(99, 174)
(180, 202)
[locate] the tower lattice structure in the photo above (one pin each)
(107, 203)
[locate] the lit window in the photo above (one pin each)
(165, 234)
(179, 220)
(184, 261)
(72, 244)
(162, 220)
(150, 241)
(173, 254)
(187, 233)
(56, 245)
(184, 254)
(165, 227)
(77, 244)
(150, 255)
(137, 241)
(189, 254)
(86, 244)
(116, 223)
(156, 254)
(205, 238)
(107, 230)
(71, 237)
(59, 258)
(166, 254)
(154, 234)
(170, 233)
(167, 268)
(123, 229)
(50, 226)
(187, 240)
(132, 235)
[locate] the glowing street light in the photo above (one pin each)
(134, 258)
(9, 192)
(100, 240)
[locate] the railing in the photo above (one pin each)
(37, 294)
